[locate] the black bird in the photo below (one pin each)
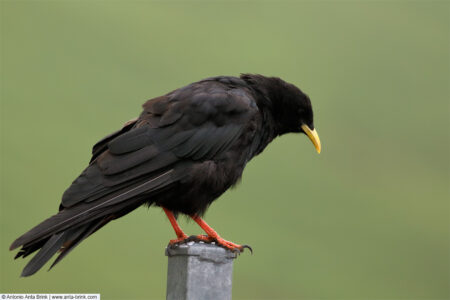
(184, 150)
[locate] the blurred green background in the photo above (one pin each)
(366, 219)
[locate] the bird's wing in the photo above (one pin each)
(193, 124)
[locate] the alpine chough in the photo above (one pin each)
(184, 150)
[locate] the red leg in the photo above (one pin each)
(181, 236)
(212, 235)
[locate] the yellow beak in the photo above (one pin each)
(313, 136)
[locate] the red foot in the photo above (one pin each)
(178, 240)
(229, 245)
(223, 243)
(213, 236)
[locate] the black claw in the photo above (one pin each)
(192, 238)
(248, 247)
(172, 246)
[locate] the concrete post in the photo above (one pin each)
(199, 271)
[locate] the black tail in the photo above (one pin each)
(63, 241)
(70, 226)
(56, 234)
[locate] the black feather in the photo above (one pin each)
(46, 252)
(86, 211)
(76, 240)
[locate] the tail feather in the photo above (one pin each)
(25, 251)
(84, 213)
(93, 227)
(64, 220)
(71, 225)
(50, 247)
(47, 251)
(76, 241)
(66, 240)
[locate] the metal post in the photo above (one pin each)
(199, 271)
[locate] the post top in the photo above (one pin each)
(204, 251)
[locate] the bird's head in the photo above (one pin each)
(289, 106)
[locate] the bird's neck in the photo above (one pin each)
(269, 98)
(267, 91)
(264, 134)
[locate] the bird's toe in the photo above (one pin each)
(178, 241)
